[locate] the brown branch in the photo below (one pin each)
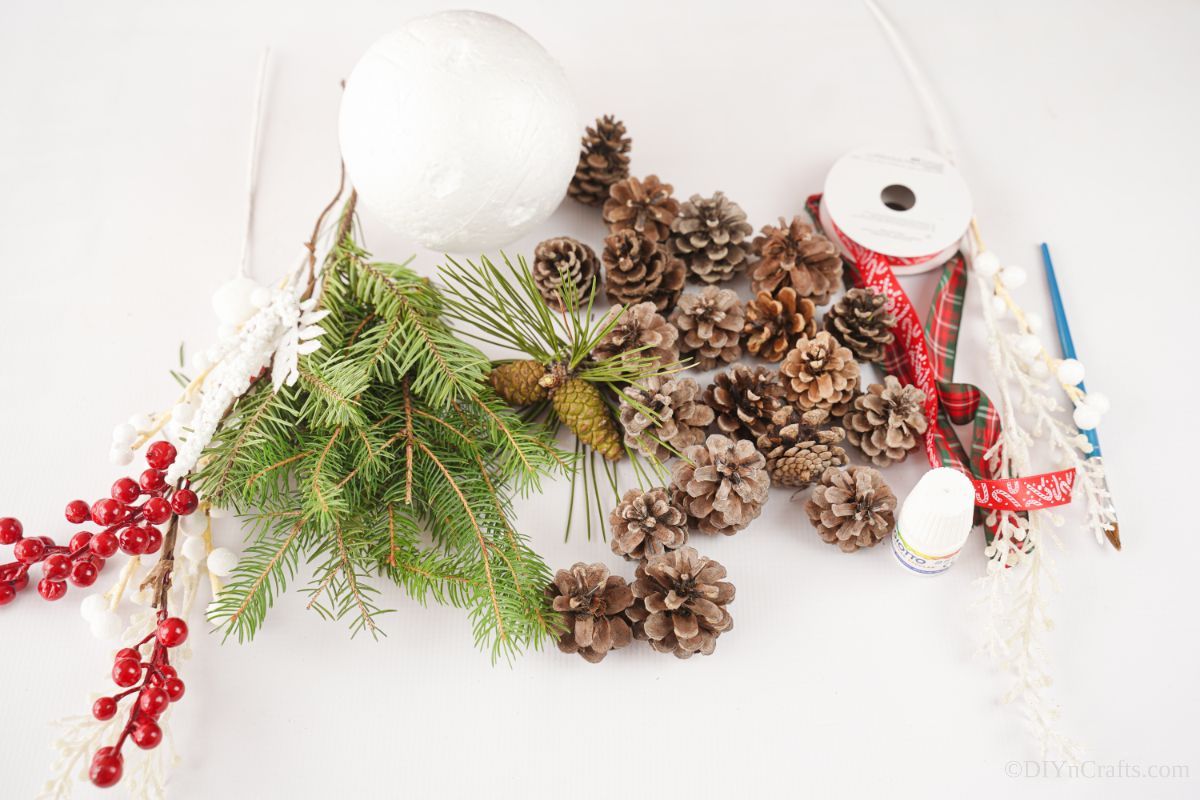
(352, 581)
(317, 469)
(275, 466)
(408, 445)
(160, 576)
(391, 534)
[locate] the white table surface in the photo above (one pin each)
(122, 134)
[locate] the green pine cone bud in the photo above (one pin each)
(517, 382)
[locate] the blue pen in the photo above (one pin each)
(1067, 345)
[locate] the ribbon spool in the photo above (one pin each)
(903, 211)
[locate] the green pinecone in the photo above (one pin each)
(517, 382)
(579, 405)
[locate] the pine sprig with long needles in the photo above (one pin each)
(389, 459)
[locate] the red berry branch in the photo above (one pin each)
(127, 526)
(153, 682)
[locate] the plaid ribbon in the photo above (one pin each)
(924, 357)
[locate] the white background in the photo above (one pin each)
(122, 138)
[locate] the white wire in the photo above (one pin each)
(252, 162)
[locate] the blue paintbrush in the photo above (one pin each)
(1067, 345)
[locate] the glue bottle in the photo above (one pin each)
(934, 522)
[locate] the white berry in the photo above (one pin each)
(141, 422)
(232, 301)
(222, 561)
(124, 434)
(1085, 418)
(184, 412)
(1013, 277)
(106, 626)
(1097, 402)
(1034, 321)
(1029, 346)
(1070, 371)
(93, 606)
(193, 524)
(999, 307)
(987, 264)
(261, 297)
(120, 456)
(194, 549)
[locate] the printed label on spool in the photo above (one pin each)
(898, 201)
(918, 562)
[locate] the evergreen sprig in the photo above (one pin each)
(390, 458)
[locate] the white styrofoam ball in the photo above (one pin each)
(106, 626)
(194, 549)
(1097, 401)
(1034, 321)
(193, 524)
(1070, 371)
(141, 421)
(999, 307)
(222, 561)
(120, 456)
(261, 297)
(1014, 277)
(460, 131)
(232, 301)
(1029, 346)
(93, 606)
(987, 264)
(1086, 418)
(123, 435)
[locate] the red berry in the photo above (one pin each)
(156, 510)
(154, 539)
(133, 540)
(160, 455)
(56, 567)
(127, 652)
(153, 701)
(167, 671)
(107, 512)
(174, 688)
(29, 551)
(96, 561)
(104, 708)
(11, 530)
(152, 480)
(184, 502)
(106, 768)
(171, 632)
(80, 541)
(21, 581)
(77, 511)
(51, 590)
(104, 545)
(146, 734)
(84, 573)
(126, 490)
(125, 673)
(46, 540)
(7, 593)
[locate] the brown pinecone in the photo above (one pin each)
(861, 322)
(677, 417)
(639, 326)
(640, 270)
(774, 322)
(886, 420)
(798, 447)
(603, 160)
(517, 382)
(745, 399)
(592, 603)
(795, 255)
(647, 524)
(680, 604)
(722, 484)
(646, 207)
(820, 373)
(563, 256)
(710, 236)
(710, 326)
(852, 508)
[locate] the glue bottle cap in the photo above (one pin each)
(938, 514)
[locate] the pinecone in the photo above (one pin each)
(603, 160)
(639, 326)
(798, 449)
(710, 326)
(640, 270)
(563, 256)
(644, 206)
(581, 407)
(710, 236)
(680, 603)
(795, 255)
(677, 420)
(886, 420)
(861, 322)
(820, 373)
(517, 382)
(647, 524)
(745, 399)
(774, 322)
(852, 507)
(592, 604)
(722, 484)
